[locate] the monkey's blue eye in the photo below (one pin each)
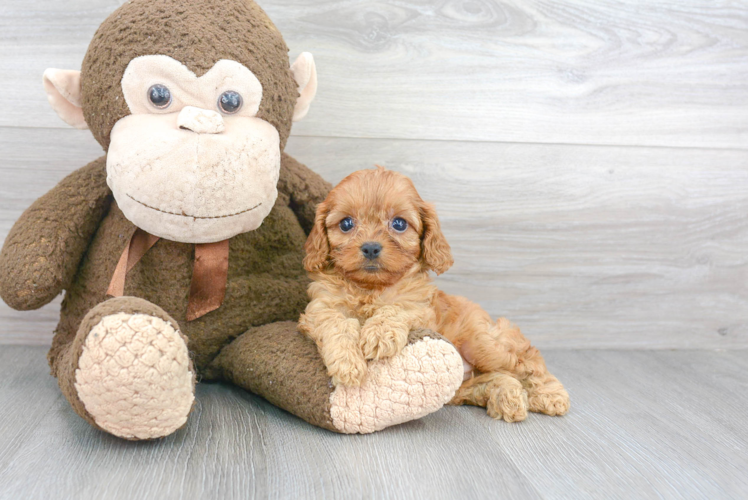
(347, 224)
(399, 224)
(230, 102)
(159, 96)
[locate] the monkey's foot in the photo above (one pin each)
(134, 376)
(417, 381)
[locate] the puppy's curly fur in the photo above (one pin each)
(373, 242)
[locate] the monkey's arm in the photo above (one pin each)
(44, 248)
(306, 189)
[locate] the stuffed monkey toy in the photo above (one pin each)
(180, 250)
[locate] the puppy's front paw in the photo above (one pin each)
(383, 339)
(347, 368)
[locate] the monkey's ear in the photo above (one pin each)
(317, 247)
(63, 88)
(305, 73)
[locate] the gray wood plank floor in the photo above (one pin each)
(667, 424)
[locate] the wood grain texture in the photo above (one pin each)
(642, 425)
(572, 71)
(596, 247)
(582, 246)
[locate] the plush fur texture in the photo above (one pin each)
(67, 363)
(362, 308)
(147, 359)
(42, 251)
(400, 388)
(187, 31)
(72, 238)
(220, 171)
(211, 195)
(266, 281)
(275, 361)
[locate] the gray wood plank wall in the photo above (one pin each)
(589, 159)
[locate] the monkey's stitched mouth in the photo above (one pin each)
(194, 216)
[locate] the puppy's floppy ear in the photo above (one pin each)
(317, 247)
(435, 252)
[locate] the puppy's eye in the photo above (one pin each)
(399, 224)
(230, 102)
(347, 224)
(159, 96)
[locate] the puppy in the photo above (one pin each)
(373, 242)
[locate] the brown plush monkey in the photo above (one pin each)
(180, 250)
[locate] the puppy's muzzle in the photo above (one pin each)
(371, 250)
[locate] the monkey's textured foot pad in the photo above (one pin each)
(134, 376)
(416, 382)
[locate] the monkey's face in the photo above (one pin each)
(193, 163)
(190, 158)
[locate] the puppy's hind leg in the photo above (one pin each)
(502, 395)
(545, 394)
(502, 347)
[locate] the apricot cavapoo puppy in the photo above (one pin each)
(373, 242)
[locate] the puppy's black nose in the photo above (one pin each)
(371, 250)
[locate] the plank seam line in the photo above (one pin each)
(532, 143)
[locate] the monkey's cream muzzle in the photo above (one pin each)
(192, 162)
(185, 170)
(194, 187)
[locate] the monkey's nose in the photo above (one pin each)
(371, 250)
(200, 121)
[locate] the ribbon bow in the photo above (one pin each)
(209, 273)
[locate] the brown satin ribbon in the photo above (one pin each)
(209, 272)
(140, 243)
(208, 287)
